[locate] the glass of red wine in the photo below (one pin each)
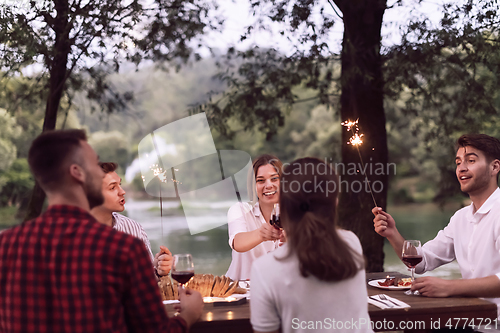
(411, 257)
(275, 217)
(183, 268)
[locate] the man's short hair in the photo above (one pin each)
(49, 153)
(108, 167)
(489, 145)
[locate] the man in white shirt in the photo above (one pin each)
(473, 235)
(114, 201)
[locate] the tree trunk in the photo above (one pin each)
(57, 79)
(362, 98)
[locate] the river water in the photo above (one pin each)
(211, 251)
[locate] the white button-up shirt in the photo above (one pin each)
(242, 217)
(473, 238)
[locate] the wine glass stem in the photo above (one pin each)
(412, 274)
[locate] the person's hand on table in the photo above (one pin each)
(269, 233)
(383, 223)
(163, 261)
(432, 286)
(190, 306)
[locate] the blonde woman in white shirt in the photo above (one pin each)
(250, 233)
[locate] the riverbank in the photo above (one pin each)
(211, 250)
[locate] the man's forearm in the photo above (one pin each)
(480, 287)
(396, 242)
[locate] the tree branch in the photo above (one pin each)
(335, 9)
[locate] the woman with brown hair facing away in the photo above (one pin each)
(315, 281)
(250, 233)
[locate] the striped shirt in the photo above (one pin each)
(129, 226)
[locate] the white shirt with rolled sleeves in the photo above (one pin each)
(472, 238)
(242, 217)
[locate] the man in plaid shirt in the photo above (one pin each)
(66, 272)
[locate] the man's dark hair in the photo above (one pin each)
(489, 145)
(49, 153)
(108, 167)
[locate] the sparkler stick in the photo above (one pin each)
(162, 176)
(158, 172)
(356, 141)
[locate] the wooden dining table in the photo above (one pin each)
(423, 315)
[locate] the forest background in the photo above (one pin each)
(440, 81)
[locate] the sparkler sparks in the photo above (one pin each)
(159, 172)
(356, 141)
(349, 124)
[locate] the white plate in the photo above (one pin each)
(244, 284)
(374, 283)
(214, 299)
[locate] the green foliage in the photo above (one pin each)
(443, 82)
(309, 130)
(9, 131)
(138, 184)
(68, 38)
(15, 183)
(8, 217)
(262, 90)
(320, 137)
(160, 97)
(112, 147)
(103, 31)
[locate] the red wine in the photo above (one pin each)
(412, 260)
(275, 221)
(182, 277)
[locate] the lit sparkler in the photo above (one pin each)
(356, 141)
(162, 176)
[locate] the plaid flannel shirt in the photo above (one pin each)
(65, 272)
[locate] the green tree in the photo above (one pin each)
(112, 147)
(15, 177)
(9, 131)
(17, 181)
(262, 91)
(445, 77)
(446, 82)
(79, 43)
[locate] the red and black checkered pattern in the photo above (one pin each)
(65, 272)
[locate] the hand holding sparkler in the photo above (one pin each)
(163, 261)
